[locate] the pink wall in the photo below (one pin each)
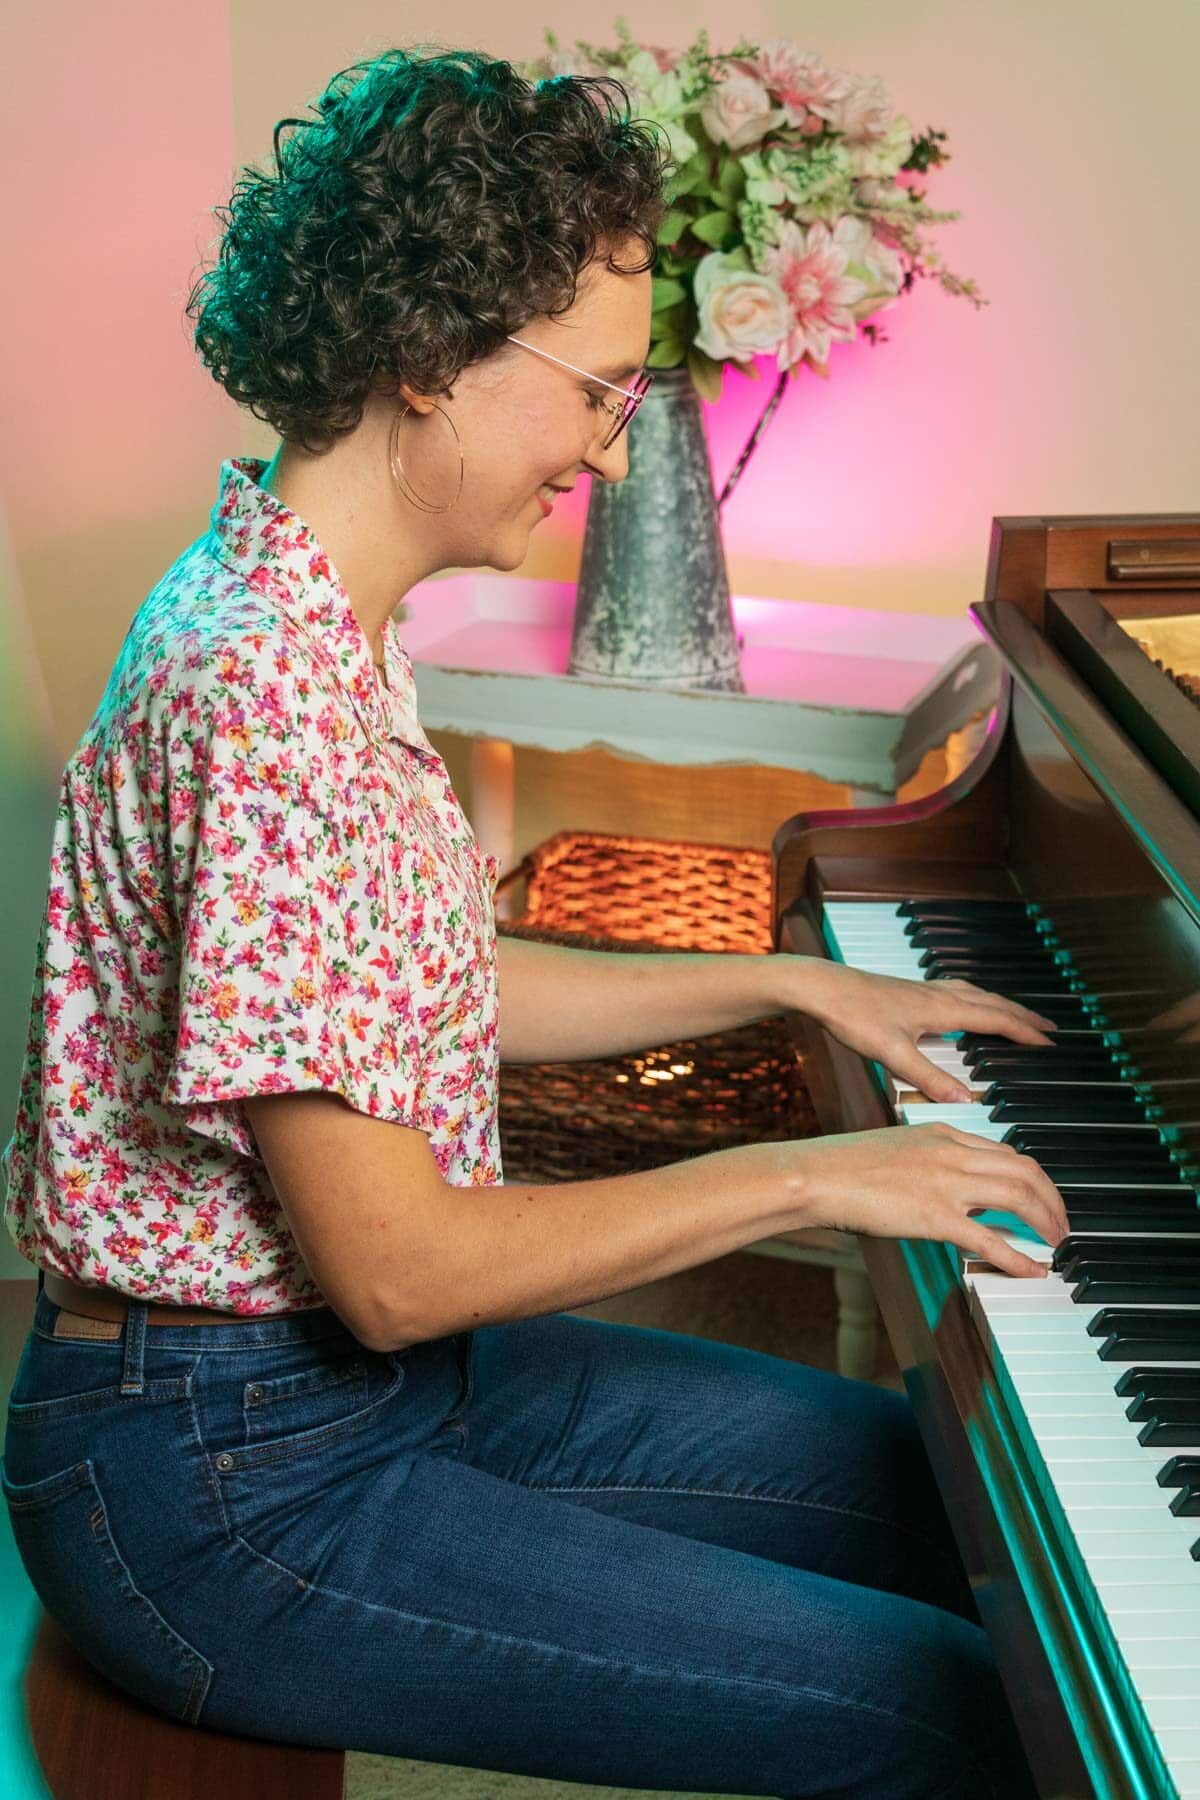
(118, 138)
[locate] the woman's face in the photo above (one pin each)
(530, 428)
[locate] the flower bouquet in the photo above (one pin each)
(796, 210)
(795, 215)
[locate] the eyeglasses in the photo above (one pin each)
(620, 415)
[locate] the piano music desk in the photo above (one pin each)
(854, 696)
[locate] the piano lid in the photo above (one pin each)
(1119, 599)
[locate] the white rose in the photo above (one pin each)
(738, 112)
(882, 158)
(742, 315)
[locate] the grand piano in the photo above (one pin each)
(1062, 1418)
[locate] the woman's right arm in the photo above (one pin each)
(402, 1257)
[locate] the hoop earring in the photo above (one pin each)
(403, 485)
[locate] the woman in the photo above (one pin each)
(306, 1442)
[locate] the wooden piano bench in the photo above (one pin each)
(575, 1121)
(71, 1735)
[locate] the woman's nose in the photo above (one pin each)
(611, 464)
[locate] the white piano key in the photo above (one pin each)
(1136, 1552)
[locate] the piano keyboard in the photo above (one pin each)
(1102, 1357)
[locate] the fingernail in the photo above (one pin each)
(961, 1092)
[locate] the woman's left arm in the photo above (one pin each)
(559, 1004)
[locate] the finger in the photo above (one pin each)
(1003, 1158)
(994, 1012)
(1021, 1186)
(913, 1069)
(1011, 1191)
(982, 1241)
(993, 999)
(995, 1018)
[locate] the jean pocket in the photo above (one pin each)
(62, 1532)
(303, 1412)
(305, 1400)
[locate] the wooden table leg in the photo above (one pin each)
(492, 805)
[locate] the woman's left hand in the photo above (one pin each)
(882, 1016)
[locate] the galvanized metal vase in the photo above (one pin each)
(653, 598)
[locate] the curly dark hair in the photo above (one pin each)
(437, 203)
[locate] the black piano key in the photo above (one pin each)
(996, 909)
(994, 960)
(1109, 1285)
(1155, 1261)
(979, 937)
(1167, 1431)
(1042, 992)
(1128, 1348)
(1170, 1325)
(1099, 1248)
(1148, 1272)
(1170, 1409)
(1081, 1219)
(1119, 1177)
(1064, 1116)
(1136, 1143)
(1139, 1380)
(1179, 1471)
(1179, 1202)
(1186, 1503)
(1066, 1037)
(1070, 1053)
(1116, 1102)
(1127, 1148)
(1103, 1081)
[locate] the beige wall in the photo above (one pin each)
(1074, 163)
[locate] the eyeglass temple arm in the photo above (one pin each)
(629, 393)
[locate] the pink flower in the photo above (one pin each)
(863, 111)
(738, 112)
(802, 82)
(810, 268)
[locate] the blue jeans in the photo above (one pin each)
(561, 1547)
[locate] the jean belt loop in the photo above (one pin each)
(133, 1375)
(41, 1279)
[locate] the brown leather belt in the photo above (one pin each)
(106, 1303)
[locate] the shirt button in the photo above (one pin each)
(224, 1461)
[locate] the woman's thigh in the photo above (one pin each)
(716, 1442)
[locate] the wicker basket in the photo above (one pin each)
(569, 1121)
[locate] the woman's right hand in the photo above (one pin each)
(926, 1181)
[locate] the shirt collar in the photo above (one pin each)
(277, 554)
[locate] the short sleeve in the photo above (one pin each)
(289, 976)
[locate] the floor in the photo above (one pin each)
(783, 1308)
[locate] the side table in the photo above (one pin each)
(854, 696)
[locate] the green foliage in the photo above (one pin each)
(927, 152)
(667, 353)
(665, 293)
(706, 373)
(713, 228)
(673, 323)
(673, 226)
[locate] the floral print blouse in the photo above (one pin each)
(260, 882)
